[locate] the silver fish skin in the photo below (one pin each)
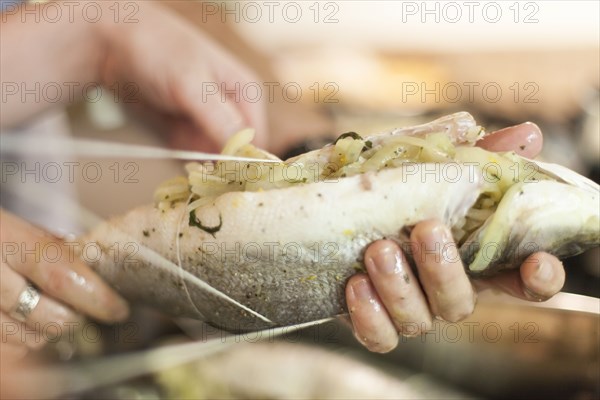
(285, 255)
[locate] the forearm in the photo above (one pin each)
(46, 62)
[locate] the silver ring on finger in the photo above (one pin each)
(28, 300)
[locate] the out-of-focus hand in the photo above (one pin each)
(67, 288)
(390, 300)
(202, 90)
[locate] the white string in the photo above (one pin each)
(178, 255)
(205, 285)
(59, 381)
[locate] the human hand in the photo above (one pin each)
(64, 289)
(391, 300)
(195, 85)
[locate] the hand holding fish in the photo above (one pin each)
(392, 299)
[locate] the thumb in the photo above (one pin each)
(524, 139)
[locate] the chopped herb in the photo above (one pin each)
(208, 229)
(368, 144)
(352, 135)
(303, 180)
(146, 233)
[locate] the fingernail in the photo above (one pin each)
(387, 261)
(528, 142)
(534, 131)
(364, 293)
(436, 234)
(545, 272)
(437, 242)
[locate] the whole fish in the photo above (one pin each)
(246, 253)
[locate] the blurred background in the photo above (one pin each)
(369, 66)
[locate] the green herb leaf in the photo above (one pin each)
(208, 229)
(352, 135)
